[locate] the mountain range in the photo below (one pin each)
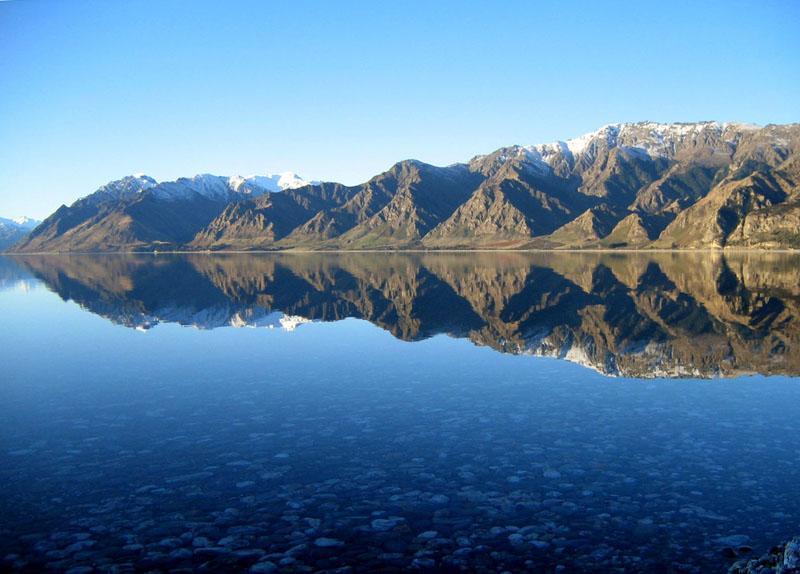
(634, 185)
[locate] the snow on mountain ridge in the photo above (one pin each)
(270, 182)
(204, 184)
(22, 222)
(208, 185)
(653, 138)
(120, 189)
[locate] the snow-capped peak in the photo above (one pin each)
(215, 187)
(120, 189)
(579, 144)
(269, 182)
(203, 184)
(652, 138)
(24, 221)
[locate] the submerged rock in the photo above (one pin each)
(783, 559)
(385, 524)
(263, 567)
(328, 542)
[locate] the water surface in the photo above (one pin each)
(482, 412)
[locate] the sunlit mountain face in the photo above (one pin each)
(634, 315)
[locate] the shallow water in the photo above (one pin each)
(410, 424)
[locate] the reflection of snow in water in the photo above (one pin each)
(211, 318)
(273, 320)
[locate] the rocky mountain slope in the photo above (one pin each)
(639, 185)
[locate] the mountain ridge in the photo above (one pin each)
(626, 185)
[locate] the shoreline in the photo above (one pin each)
(399, 251)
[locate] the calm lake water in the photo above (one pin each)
(375, 412)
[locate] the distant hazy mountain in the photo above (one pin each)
(13, 230)
(692, 185)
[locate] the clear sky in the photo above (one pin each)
(92, 91)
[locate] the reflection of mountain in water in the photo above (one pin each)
(643, 315)
(15, 276)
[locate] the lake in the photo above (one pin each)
(365, 412)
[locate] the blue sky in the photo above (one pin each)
(92, 91)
